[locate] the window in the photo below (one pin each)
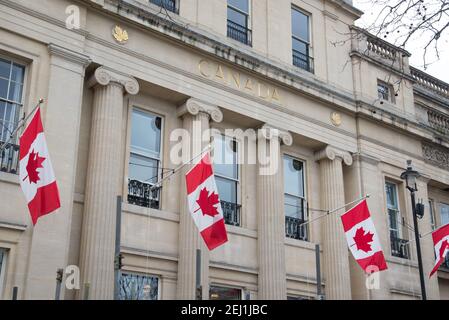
(138, 287)
(227, 177)
(2, 270)
(384, 91)
(238, 21)
(399, 246)
(145, 159)
(301, 40)
(433, 224)
(444, 213)
(224, 293)
(11, 90)
(170, 5)
(294, 201)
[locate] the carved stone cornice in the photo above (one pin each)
(436, 156)
(333, 153)
(270, 132)
(69, 55)
(104, 76)
(194, 106)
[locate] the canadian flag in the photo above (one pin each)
(37, 178)
(204, 203)
(362, 238)
(441, 244)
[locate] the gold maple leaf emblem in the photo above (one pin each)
(121, 35)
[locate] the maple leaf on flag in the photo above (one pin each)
(363, 239)
(443, 247)
(34, 163)
(207, 202)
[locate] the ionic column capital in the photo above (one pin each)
(194, 106)
(104, 76)
(332, 153)
(270, 132)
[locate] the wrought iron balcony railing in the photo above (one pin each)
(399, 247)
(140, 194)
(303, 61)
(231, 213)
(9, 159)
(170, 5)
(239, 33)
(294, 229)
(445, 264)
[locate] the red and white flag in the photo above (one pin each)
(441, 244)
(362, 238)
(204, 203)
(37, 178)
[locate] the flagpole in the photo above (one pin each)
(23, 120)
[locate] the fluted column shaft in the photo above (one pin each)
(335, 250)
(271, 219)
(102, 185)
(196, 117)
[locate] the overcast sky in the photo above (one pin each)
(439, 68)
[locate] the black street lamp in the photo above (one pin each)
(410, 177)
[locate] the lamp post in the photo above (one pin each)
(410, 176)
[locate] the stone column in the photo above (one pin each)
(103, 181)
(195, 117)
(271, 218)
(335, 250)
(61, 117)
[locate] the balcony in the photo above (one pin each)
(399, 247)
(9, 159)
(438, 121)
(239, 33)
(294, 229)
(302, 61)
(231, 213)
(140, 194)
(445, 264)
(428, 82)
(169, 5)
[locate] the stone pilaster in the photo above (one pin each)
(335, 250)
(103, 181)
(271, 218)
(196, 116)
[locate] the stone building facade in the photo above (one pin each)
(348, 107)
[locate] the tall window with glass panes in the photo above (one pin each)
(399, 246)
(301, 40)
(12, 76)
(239, 21)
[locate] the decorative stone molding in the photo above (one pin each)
(436, 156)
(332, 153)
(104, 76)
(194, 106)
(70, 55)
(270, 132)
(366, 158)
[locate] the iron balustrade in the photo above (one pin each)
(445, 264)
(239, 33)
(170, 5)
(140, 194)
(399, 247)
(231, 213)
(303, 61)
(9, 159)
(294, 229)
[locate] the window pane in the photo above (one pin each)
(7, 119)
(242, 5)
(5, 68)
(444, 214)
(222, 293)
(300, 25)
(227, 189)
(225, 157)
(146, 134)
(293, 207)
(143, 169)
(17, 73)
(237, 17)
(138, 287)
(393, 215)
(15, 92)
(293, 177)
(391, 195)
(3, 88)
(300, 47)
